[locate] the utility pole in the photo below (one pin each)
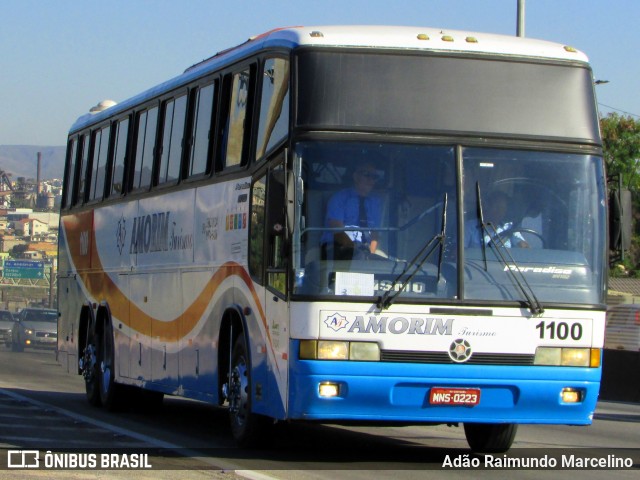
(520, 27)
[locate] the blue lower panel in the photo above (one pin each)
(400, 392)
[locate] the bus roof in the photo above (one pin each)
(354, 36)
(416, 38)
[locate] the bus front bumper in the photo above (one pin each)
(397, 392)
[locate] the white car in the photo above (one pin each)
(6, 325)
(35, 327)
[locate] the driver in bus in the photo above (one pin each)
(355, 207)
(533, 221)
(499, 227)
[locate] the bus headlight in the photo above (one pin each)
(364, 352)
(331, 350)
(339, 350)
(567, 357)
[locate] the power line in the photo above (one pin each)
(618, 110)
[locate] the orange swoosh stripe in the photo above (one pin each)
(102, 288)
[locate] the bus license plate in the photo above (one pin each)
(454, 396)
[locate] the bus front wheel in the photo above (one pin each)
(245, 425)
(490, 437)
(110, 394)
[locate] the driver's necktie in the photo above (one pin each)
(363, 222)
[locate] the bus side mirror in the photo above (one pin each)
(620, 220)
(290, 201)
(276, 205)
(615, 220)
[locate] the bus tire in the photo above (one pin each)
(245, 425)
(110, 391)
(490, 437)
(90, 367)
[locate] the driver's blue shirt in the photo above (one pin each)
(344, 206)
(473, 234)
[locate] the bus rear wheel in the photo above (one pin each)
(490, 437)
(89, 367)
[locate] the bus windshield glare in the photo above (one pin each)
(535, 213)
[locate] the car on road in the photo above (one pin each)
(6, 324)
(35, 327)
(623, 328)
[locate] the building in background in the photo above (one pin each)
(29, 231)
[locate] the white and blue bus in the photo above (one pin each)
(209, 248)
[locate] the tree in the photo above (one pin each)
(621, 144)
(621, 148)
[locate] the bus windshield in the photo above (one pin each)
(374, 219)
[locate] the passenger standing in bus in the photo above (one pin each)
(358, 208)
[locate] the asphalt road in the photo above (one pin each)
(41, 408)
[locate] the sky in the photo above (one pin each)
(59, 58)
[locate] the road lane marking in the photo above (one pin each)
(218, 463)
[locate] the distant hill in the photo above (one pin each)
(21, 161)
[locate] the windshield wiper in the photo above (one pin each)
(481, 221)
(502, 252)
(386, 300)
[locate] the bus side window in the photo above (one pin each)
(119, 158)
(274, 105)
(267, 230)
(236, 117)
(146, 138)
(256, 228)
(99, 162)
(70, 171)
(201, 131)
(275, 230)
(175, 111)
(82, 178)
